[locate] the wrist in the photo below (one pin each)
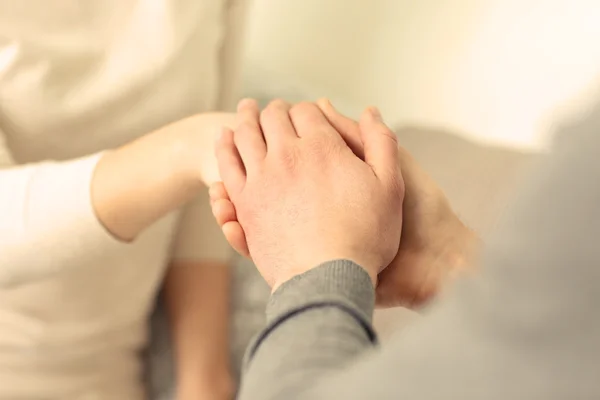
(197, 142)
(137, 184)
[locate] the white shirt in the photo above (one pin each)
(78, 77)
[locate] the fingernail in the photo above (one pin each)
(375, 113)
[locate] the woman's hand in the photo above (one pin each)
(135, 185)
(196, 142)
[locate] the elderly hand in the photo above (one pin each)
(302, 197)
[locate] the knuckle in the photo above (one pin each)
(303, 109)
(320, 150)
(289, 159)
(385, 131)
(396, 186)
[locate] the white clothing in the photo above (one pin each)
(78, 77)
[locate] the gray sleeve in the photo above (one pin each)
(526, 327)
(316, 323)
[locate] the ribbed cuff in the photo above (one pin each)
(340, 284)
(340, 281)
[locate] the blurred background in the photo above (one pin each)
(474, 88)
(496, 71)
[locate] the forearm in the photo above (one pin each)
(197, 298)
(318, 323)
(137, 184)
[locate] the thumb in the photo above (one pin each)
(346, 127)
(380, 145)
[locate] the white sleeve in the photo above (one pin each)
(47, 222)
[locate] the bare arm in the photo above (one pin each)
(75, 209)
(137, 184)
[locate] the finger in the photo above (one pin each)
(217, 191)
(309, 121)
(381, 146)
(248, 136)
(234, 233)
(346, 127)
(230, 163)
(276, 123)
(223, 211)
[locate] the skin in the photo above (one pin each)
(435, 245)
(197, 300)
(133, 187)
(290, 176)
(137, 184)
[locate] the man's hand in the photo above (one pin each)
(303, 198)
(435, 243)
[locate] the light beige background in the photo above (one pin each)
(494, 72)
(498, 71)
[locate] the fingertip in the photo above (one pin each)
(230, 165)
(371, 116)
(374, 114)
(372, 122)
(247, 103)
(224, 211)
(324, 104)
(234, 233)
(217, 191)
(224, 137)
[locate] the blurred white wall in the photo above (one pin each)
(499, 71)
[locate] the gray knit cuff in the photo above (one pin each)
(339, 281)
(340, 284)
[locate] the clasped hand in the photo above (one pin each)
(315, 198)
(302, 197)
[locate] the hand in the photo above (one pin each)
(435, 243)
(140, 182)
(297, 190)
(195, 137)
